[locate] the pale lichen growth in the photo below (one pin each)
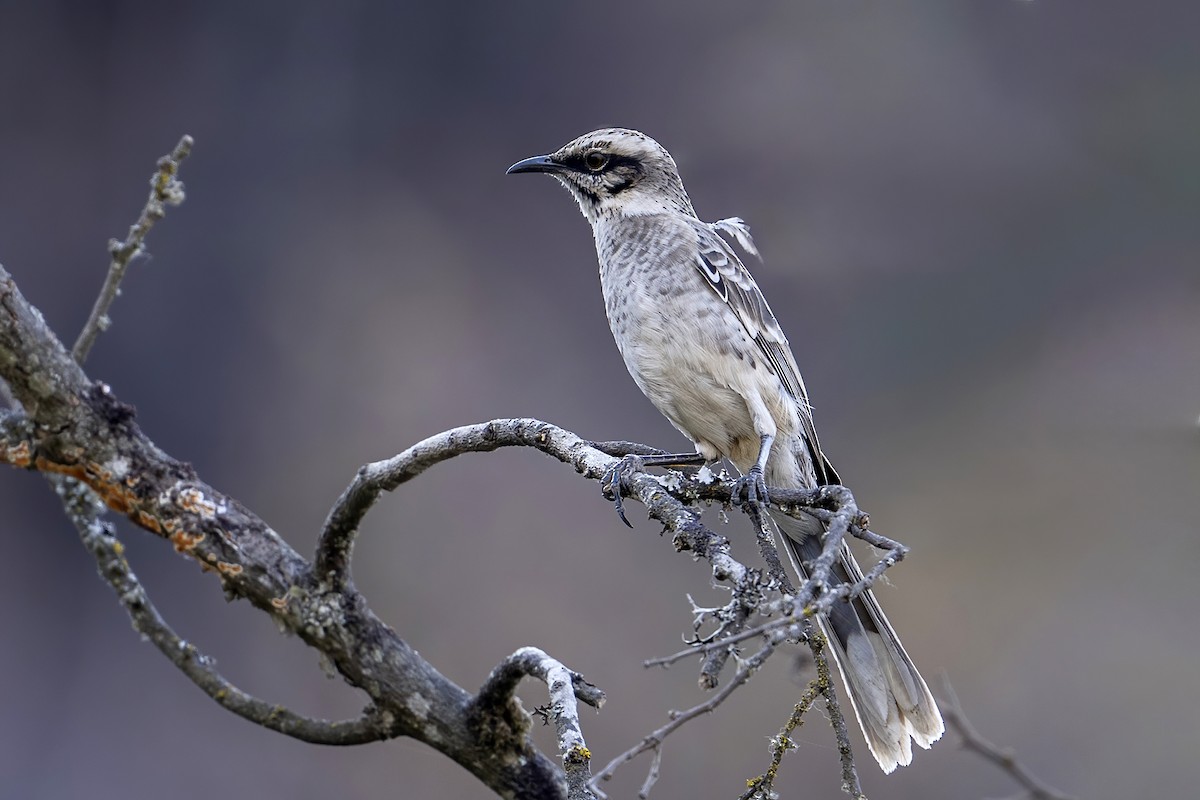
(118, 468)
(672, 481)
(193, 500)
(419, 705)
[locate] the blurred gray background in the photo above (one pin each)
(979, 224)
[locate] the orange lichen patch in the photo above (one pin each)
(43, 464)
(279, 602)
(170, 526)
(114, 495)
(19, 455)
(149, 522)
(118, 501)
(117, 498)
(185, 542)
(225, 568)
(194, 501)
(99, 471)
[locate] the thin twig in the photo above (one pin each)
(98, 538)
(165, 190)
(655, 739)
(707, 647)
(1003, 757)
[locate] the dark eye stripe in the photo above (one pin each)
(579, 163)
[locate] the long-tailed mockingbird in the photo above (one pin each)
(702, 344)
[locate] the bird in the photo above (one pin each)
(704, 347)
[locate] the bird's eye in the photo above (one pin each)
(595, 160)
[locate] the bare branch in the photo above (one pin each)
(165, 190)
(1002, 757)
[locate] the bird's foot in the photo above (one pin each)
(751, 488)
(613, 481)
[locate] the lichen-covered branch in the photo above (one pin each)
(566, 687)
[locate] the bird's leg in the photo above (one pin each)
(629, 465)
(751, 486)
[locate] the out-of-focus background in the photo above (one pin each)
(979, 224)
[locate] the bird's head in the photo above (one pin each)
(615, 172)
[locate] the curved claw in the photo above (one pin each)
(610, 484)
(751, 488)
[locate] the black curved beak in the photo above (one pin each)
(536, 164)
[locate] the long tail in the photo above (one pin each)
(890, 699)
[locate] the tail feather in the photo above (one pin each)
(890, 699)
